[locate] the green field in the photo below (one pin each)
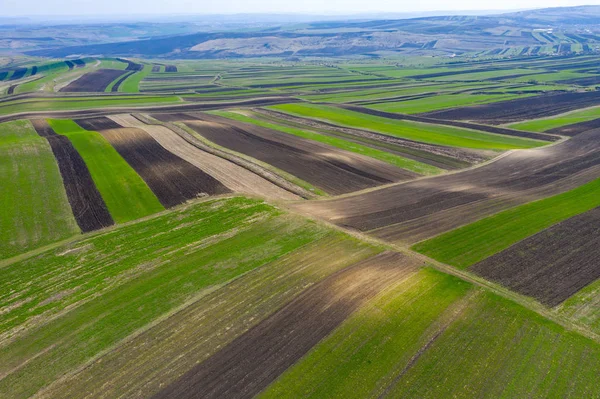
(427, 133)
(434, 336)
(34, 210)
(126, 195)
(132, 83)
(474, 242)
(542, 125)
(71, 303)
(65, 104)
(404, 163)
(443, 101)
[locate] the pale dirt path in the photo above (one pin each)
(232, 176)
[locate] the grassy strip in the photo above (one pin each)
(97, 300)
(376, 343)
(498, 349)
(66, 104)
(472, 243)
(427, 133)
(34, 210)
(392, 159)
(542, 125)
(126, 195)
(444, 101)
(132, 83)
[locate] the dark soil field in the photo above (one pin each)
(96, 81)
(131, 66)
(170, 68)
(521, 109)
(467, 125)
(70, 64)
(589, 81)
(576, 128)
(417, 210)
(551, 265)
(87, 204)
(330, 169)
(156, 68)
(172, 179)
(251, 362)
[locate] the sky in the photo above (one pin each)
(342, 7)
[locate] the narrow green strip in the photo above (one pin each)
(126, 195)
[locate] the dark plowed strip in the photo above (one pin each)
(170, 68)
(466, 125)
(522, 108)
(79, 63)
(69, 64)
(551, 265)
(97, 124)
(87, 204)
(251, 362)
(118, 83)
(11, 89)
(96, 81)
(172, 179)
(405, 213)
(576, 128)
(3, 75)
(332, 170)
(34, 70)
(156, 68)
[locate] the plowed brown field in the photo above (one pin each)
(330, 169)
(235, 177)
(96, 81)
(414, 211)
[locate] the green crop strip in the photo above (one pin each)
(472, 243)
(132, 83)
(34, 210)
(126, 195)
(404, 163)
(542, 125)
(428, 133)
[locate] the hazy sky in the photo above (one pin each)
(104, 7)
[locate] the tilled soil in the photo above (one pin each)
(235, 177)
(521, 109)
(87, 204)
(417, 210)
(96, 81)
(330, 169)
(551, 265)
(252, 361)
(172, 179)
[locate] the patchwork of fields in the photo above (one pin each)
(260, 228)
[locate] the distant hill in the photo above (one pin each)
(550, 30)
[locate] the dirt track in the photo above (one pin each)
(417, 210)
(233, 176)
(551, 265)
(87, 204)
(330, 169)
(96, 81)
(172, 179)
(252, 361)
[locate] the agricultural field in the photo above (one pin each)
(347, 220)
